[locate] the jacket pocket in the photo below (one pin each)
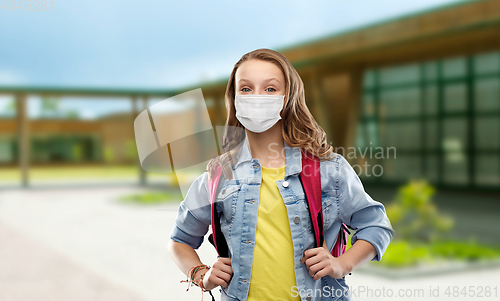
(328, 208)
(226, 201)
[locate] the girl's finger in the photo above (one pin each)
(225, 268)
(319, 274)
(220, 282)
(319, 263)
(215, 279)
(225, 260)
(310, 252)
(312, 260)
(306, 256)
(222, 275)
(316, 268)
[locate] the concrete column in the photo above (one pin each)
(344, 99)
(316, 101)
(23, 136)
(137, 108)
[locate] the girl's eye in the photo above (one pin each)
(245, 90)
(272, 89)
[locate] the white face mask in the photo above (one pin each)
(258, 113)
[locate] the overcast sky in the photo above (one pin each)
(166, 44)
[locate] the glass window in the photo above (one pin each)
(368, 105)
(455, 97)
(360, 136)
(487, 170)
(455, 129)
(454, 67)
(454, 147)
(430, 71)
(369, 79)
(487, 133)
(410, 119)
(431, 99)
(402, 168)
(455, 171)
(400, 102)
(487, 94)
(402, 135)
(487, 63)
(399, 75)
(431, 134)
(6, 151)
(372, 131)
(432, 168)
(8, 107)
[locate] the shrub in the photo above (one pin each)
(414, 216)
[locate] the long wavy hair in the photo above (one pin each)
(300, 129)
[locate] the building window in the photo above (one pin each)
(442, 116)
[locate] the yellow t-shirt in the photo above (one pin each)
(273, 273)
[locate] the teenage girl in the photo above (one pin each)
(264, 216)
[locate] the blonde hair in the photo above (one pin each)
(300, 129)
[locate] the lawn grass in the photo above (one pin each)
(12, 174)
(407, 254)
(150, 198)
(400, 253)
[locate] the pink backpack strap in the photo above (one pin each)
(311, 181)
(216, 237)
(341, 244)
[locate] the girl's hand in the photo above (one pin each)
(220, 274)
(320, 262)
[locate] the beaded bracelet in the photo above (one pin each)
(191, 273)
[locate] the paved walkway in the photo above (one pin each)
(124, 244)
(29, 270)
(82, 244)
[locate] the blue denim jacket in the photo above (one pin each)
(344, 200)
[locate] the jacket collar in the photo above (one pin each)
(293, 157)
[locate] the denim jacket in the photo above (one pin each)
(344, 200)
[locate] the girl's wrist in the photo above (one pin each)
(195, 276)
(345, 264)
(199, 278)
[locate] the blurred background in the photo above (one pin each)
(408, 92)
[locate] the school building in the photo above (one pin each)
(407, 98)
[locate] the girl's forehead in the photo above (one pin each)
(258, 70)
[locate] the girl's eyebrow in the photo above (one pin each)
(265, 81)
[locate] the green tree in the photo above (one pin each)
(11, 106)
(72, 114)
(49, 106)
(109, 154)
(77, 152)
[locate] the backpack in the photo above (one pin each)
(312, 189)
